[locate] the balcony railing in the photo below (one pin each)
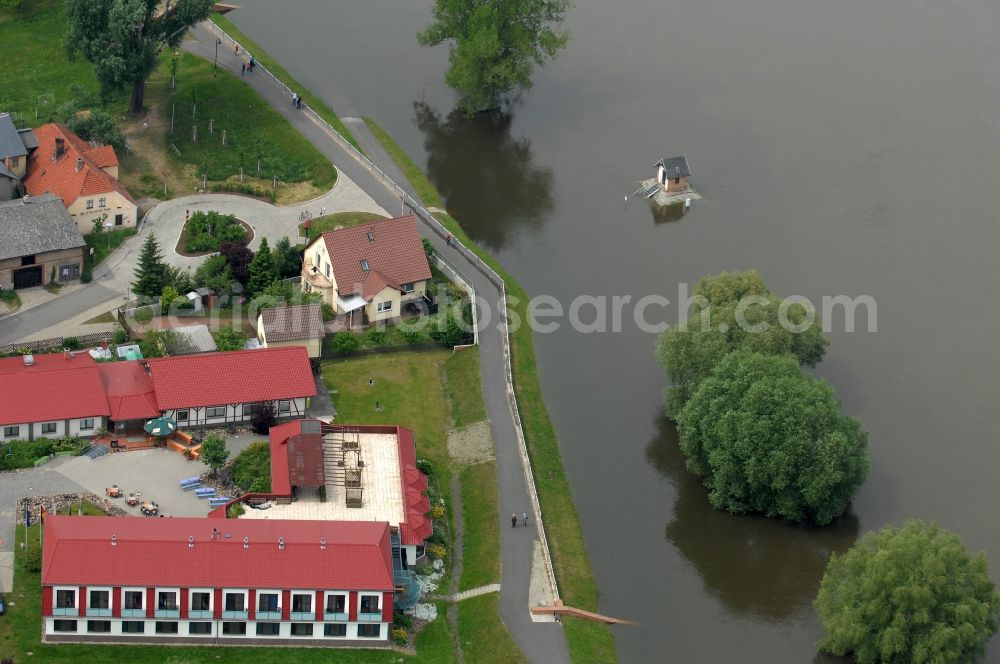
(167, 613)
(235, 615)
(199, 613)
(339, 616)
(133, 613)
(302, 615)
(66, 611)
(98, 613)
(371, 616)
(269, 615)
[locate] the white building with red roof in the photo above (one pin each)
(376, 268)
(70, 394)
(209, 581)
(84, 176)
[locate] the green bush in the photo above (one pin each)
(235, 511)
(345, 343)
(23, 453)
(207, 230)
(251, 469)
(377, 338)
(33, 559)
(143, 315)
(120, 337)
(400, 636)
(72, 343)
(402, 620)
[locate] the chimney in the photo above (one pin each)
(60, 148)
(322, 543)
(246, 542)
(215, 533)
(190, 541)
(79, 164)
(66, 353)
(281, 542)
(114, 540)
(29, 360)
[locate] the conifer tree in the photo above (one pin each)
(151, 273)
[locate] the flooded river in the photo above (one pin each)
(841, 148)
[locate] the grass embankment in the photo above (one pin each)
(329, 222)
(11, 299)
(258, 138)
(588, 641)
(426, 191)
(261, 56)
(20, 631)
(37, 74)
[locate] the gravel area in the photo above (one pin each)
(471, 445)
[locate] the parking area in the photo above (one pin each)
(154, 473)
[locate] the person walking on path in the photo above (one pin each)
(524, 519)
(449, 239)
(513, 521)
(295, 99)
(243, 68)
(252, 63)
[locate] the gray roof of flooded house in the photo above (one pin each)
(11, 144)
(675, 166)
(42, 224)
(28, 138)
(199, 338)
(4, 171)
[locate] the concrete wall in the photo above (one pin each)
(114, 204)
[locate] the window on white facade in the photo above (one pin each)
(166, 627)
(102, 202)
(335, 629)
(87, 424)
(327, 270)
(385, 306)
(267, 602)
(248, 409)
(10, 432)
(166, 600)
(99, 626)
(100, 599)
(336, 604)
(200, 601)
(64, 625)
(268, 629)
(302, 603)
(90, 203)
(370, 604)
(369, 630)
(215, 411)
(132, 599)
(408, 288)
(284, 406)
(133, 627)
(200, 628)
(65, 599)
(181, 415)
(48, 427)
(234, 602)
(234, 628)
(302, 629)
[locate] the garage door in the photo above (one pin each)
(28, 277)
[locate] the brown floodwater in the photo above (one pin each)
(841, 148)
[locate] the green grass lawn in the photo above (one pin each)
(484, 638)
(481, 517)
(37, 74)
(426, 192)
(11, 299)
(464, 387)
(329, 222)
(262, 57)
(588, 642)
(255, 132)
(20, 634)
(104, 243)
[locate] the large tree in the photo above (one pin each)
(287, 260)
(734, 311)
(910, 595)
(765, 437)
(263, 272)
(239, 257)
(495, 45)
(151, 275)
(122, 38)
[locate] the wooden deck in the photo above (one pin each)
(561, 609)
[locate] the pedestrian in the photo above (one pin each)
(252, 63)
(243, 68)
(524, 519)
(378, 407)
(513, 521)
(449, 239)
(145, 123)
(295, 99)
(236, 48)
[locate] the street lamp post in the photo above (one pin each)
(217, 42)
(109, 226)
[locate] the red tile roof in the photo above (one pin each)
(392, 249)
(239, 376)
(55, 387)
(155, 553)
(62, 177)
(296, 456)
(130, 391)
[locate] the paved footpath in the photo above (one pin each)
(541, 642)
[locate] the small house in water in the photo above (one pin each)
(673, 173)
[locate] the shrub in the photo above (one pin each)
(235, 511)
(436, 551)
(251, 469)
(402, 620)
(328, 312)
(437, 512)
(400, 636)
(426, 466)
(23, 453)
(411, 335)
(119, 337)
(214, 452)
(263, 418)
(33, 559)
(377, 338)
(345, 343)
(72, 343)
(206, 231)
(143, 315)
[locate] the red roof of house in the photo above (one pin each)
(62, 177)
(393, 252)
(55, 387)
(296, 456)
(239, 376)
(130, 391)
(356, 555)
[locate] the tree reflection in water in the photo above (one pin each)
(486, 176)
(758, 567)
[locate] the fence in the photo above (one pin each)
(434, 225)
(83, 341)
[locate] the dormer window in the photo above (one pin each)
(371, 236)
(364, 265)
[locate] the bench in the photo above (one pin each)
(190, 482)
(205, 492)
(218, 501)
(184, 437)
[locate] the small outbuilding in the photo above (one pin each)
(293, 325)
(672, 173)
(39, 243)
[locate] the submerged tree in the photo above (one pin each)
(122, 38)
(495, 45)
(908, 595)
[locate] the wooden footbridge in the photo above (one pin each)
(560, 609)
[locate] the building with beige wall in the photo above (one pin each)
(39, 243)
(85, 177)
(292, 325)
(369, 271)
